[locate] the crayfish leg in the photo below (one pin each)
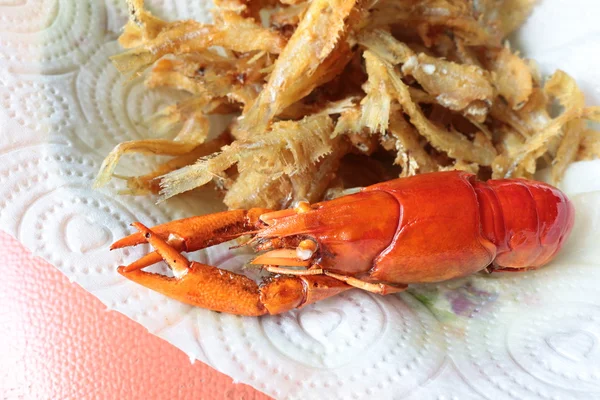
(284, 293)
(295, 272)
(379, 288)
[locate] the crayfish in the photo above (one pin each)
(426, 228)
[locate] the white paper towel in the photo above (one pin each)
(64, 106)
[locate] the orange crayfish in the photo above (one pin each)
(426, 228)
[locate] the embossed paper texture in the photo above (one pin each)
(533, 335)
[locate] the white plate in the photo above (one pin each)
(64, 106)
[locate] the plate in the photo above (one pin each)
(532, 335)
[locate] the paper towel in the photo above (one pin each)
(64, 106)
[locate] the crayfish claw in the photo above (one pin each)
(215, 289)
(195, 283)
(132, 240)
(176, 261)
(194, 233)
(143, 262)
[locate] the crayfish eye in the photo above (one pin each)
(306, 249)
(302, 207)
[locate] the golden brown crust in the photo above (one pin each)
(417, 86)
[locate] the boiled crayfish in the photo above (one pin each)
(426, 228)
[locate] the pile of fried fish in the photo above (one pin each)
(327, 94)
